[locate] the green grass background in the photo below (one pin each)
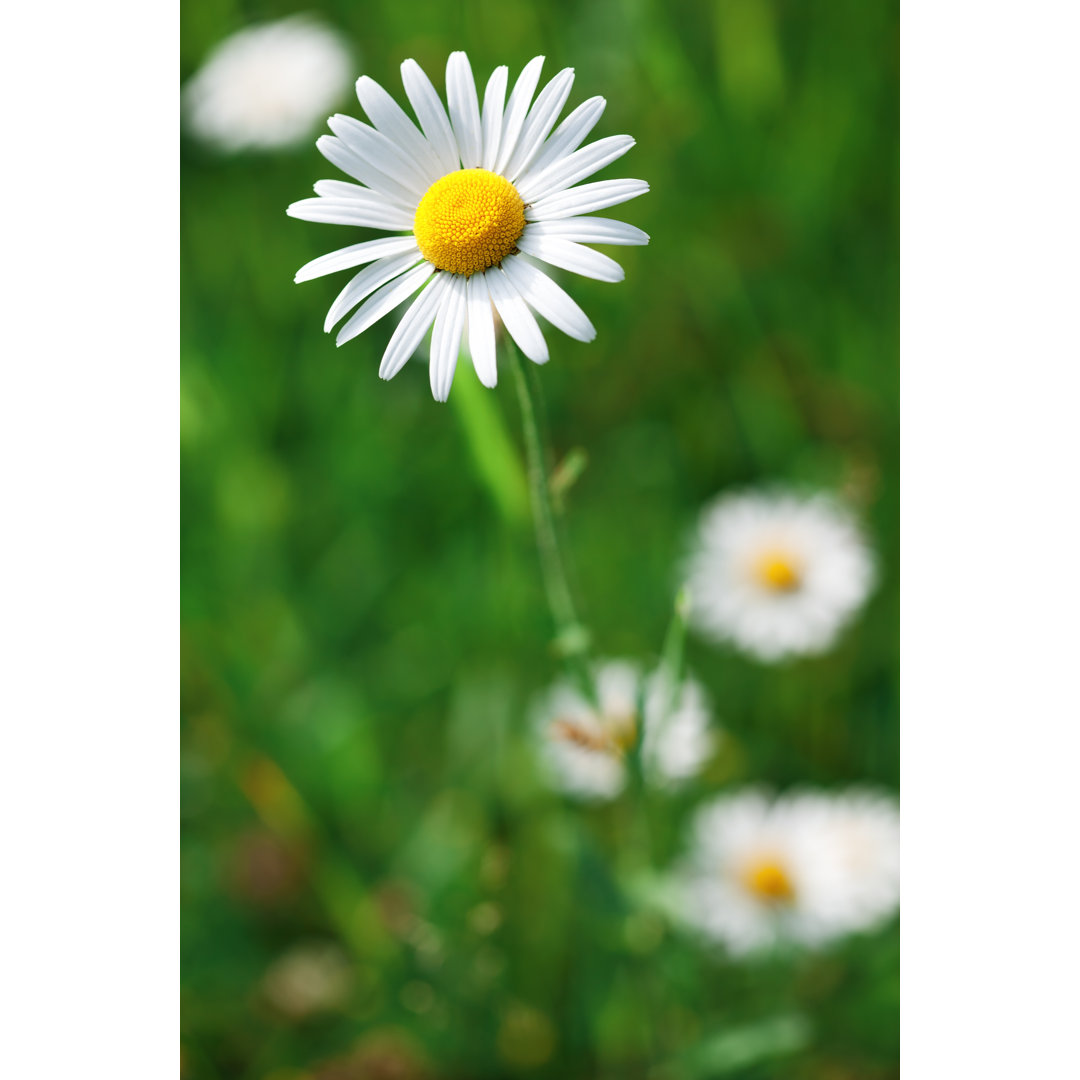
(364, 624)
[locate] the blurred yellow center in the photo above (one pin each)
(769, 881)
(778, 572)
(469, 220)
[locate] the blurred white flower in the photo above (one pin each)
(584, 750)
(777, 574)
(310, 978)
(805, 868)
(267, 87)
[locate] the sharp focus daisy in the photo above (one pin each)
(478, 199)
(266, 87)
(803, 869)
(778, 574)
(584, 749)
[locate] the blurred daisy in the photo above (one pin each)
(477, 198)
(584, 750)
(777, 574)
(267, 87)
(863, 829)
(310, 978)
(805, 868)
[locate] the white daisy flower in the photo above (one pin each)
(584, 751)
(266, 87)
(777, 574)
(806, 868)
(477, 199)
(864, 831)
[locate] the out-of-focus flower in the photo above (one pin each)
(266, 87)
(527, 1037)
(864, 830)
(264, 870)
(382, 1054)
(476, 197)
(308, 979)
(584, 749)
(777, 575)
(806, 868)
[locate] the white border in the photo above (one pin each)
(990, 234)
(90, 543)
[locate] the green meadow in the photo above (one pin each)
(377, 883)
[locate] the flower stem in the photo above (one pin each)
(672, 655)
(571, 636)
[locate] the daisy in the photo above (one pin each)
(806, 868)
(477, 199)
(584, 750)
(777, 574)
(864, 830)
(310, 978)
(267, 87)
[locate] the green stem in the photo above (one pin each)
(571, 636)
(672, 655)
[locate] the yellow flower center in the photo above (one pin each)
(767, 879)
(778, 572)
(469, 220)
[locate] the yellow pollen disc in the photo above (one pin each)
(769, 881)
(469, 220)
(777, 572)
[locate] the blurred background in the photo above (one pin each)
(376, 882)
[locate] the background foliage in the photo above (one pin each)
(364, 625)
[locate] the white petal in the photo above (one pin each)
(431, 114)
(540, 121)
(590, 230)
(412, 328)
(494, 97)
(482, 330)
(384, 301)
(575, 167)
(585, 199)
(392, 120)
(351, 212)
(365, 283)
(343, 189)
(446, 337)
(518, 319)
(569, 135)
(549, 299)
(464, 109)
(516, 110)
(380, 154)
(571, 256)
(356, 255)
(348, 160)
